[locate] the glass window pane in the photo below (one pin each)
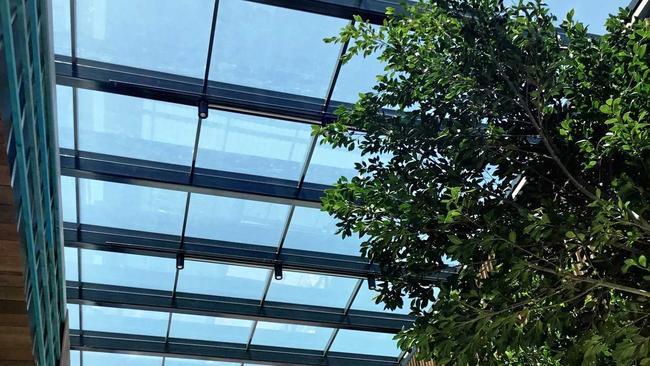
(358, 75)
(122, 359)
(368, 343)
(312, 289)
(73, 316)
(129, 270)
(291, 336)
(75, 358)
(71, 264)
(189, 362)
(313, 229)
(132, 207)
(210, 328)
(64, 116)
(136, 128)
(161, 35)
(328, 165)
(222, 280)
(61, 26)
(127, 321)
(274, 48)
(235, 220)
(246, 144)
(68, 199)
(365, 300)
(593, 13)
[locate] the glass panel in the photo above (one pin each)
(64, 116)
(136, 128)
(367, 343)
(68, 199)
(161, 35)
(291, 335)
(71, 264)
(365, 300)
(190, 362)
(75, 358)
(222, 280)
(122, 359)
(61, 26)
(313, 229)
(246, 144)
(209, 328)
(312, 289)
(235, 220)
(328, 165)
(73, 316)
(131, 207)
(359, 75)
(127, 270)
(273, 48)
(127, 321)
(593, 13)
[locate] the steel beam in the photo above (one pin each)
(227, 307)
(159, 245)
(180, 178)
(218, 351)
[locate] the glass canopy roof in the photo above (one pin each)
(191, 233)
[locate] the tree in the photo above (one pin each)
(521, 153)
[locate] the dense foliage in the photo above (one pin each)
(522, 155)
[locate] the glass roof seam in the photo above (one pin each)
(73, 30)
(251, 335)
(346, 310)
(213, 27)
(335, 74)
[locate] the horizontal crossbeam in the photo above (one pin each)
(218, 351)
(228, 307)
(116, 169)
(159, 245)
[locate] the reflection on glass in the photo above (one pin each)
(135, 127)
(247, 144)
(328, 165)
(368, 343)
(274, 48)
(590, 12)
(121, 359)
(61, 27)
(222, 280)
(75, 358)
(358, 75)
(71, 264)
(207, 328)
(313, 229)
(68, 199)
(365, 300)
(127, 321)
(129, 270)
(312, 289)
(235, 220)
(161, 35)
(127, 206)
(73, 316)
(291, 336)
(64, 116)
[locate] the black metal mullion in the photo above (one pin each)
(73, 31)
(346, 310)
(213, 27)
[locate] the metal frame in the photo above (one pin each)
(160, 245)
(218, 351)
(220, 306)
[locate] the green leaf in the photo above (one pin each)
(512, 236)
(642, 261)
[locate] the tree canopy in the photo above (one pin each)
(519, 151)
